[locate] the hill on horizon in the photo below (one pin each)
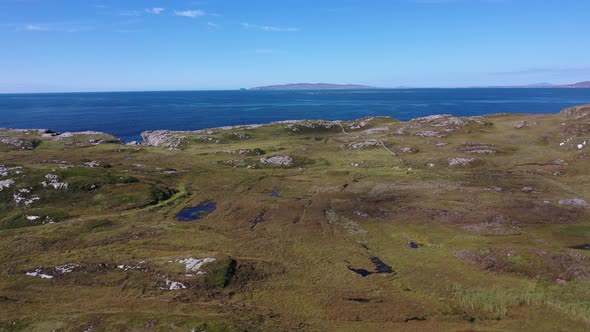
(314, 86)
(331, 86)
(585, 84)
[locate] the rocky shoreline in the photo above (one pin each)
(173, 140)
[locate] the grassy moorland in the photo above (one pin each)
(439, 223)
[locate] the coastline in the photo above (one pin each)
(175, 139)
(126, 115)
(146, 135)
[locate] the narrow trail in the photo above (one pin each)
(395, 155)
(343, 130)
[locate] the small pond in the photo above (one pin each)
(380, 267)
(196, 213)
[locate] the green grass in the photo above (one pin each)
(283, 260)
(497, 302)
(181, 193)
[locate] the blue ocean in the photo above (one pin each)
(127, 114)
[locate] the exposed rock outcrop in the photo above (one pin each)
(4, 184)
(164, 138)
(29, 139)
(284, 161)
(577, 112)
(461, 161)
(478, 148)
(438, 125)
(87, 138)
(310, 125)
(20, 139)
(54, 181)
(523, 124)
(363, 145)
(574, 202)
(441, 120)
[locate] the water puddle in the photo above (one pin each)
(417, 318)
(581, 247)
(361, 272)
(196, 213)
(258, 220)
(275, 194)
(380, 268)
(359, 300)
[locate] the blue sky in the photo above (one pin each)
(111, 45)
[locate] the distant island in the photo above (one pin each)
(330, 86)
(578, 85)
(314, 86)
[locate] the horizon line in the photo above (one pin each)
(563, 86)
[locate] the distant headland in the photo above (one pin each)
(330, 86)
(579, 85)
(314, 86)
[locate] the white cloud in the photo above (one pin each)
(34, 27)
(130, 13)
(269, 28)
(155, 10)
(60, 27)
(189, 13)
(212, 25)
